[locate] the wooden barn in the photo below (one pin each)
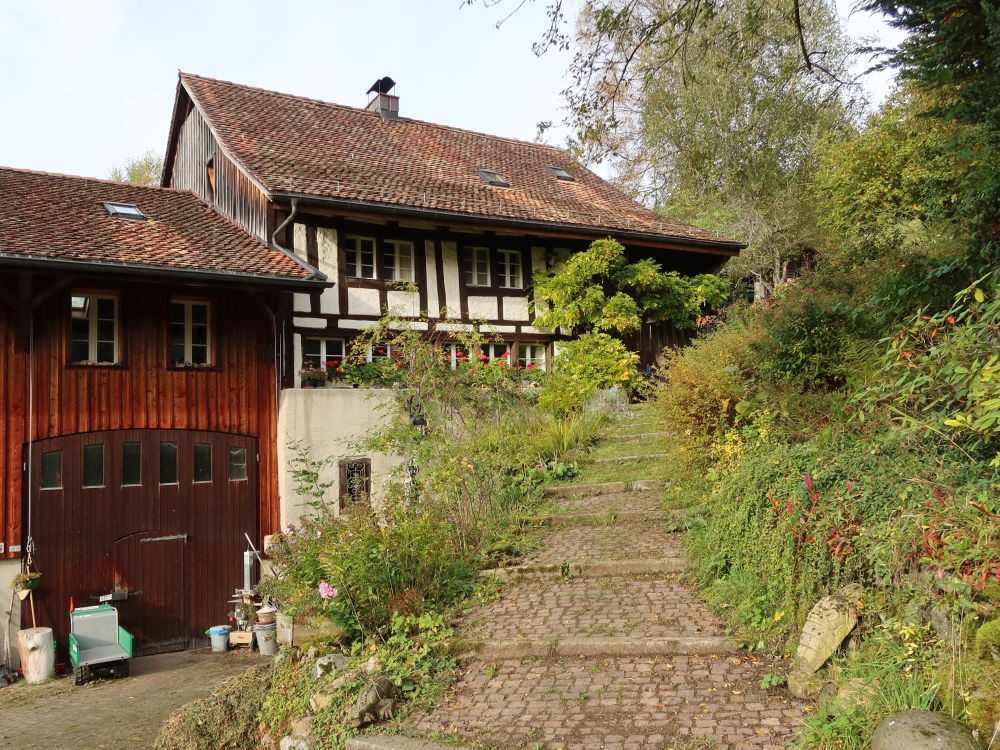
(139, 379)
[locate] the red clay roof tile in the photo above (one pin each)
(291, 144)
(63, 218)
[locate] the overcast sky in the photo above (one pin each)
(90, 82)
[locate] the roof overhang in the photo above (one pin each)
(570, 231)
(148, 271)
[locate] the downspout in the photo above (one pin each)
(281, 227)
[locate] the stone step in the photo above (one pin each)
(688, 701)
(593, 569)
(606, 488)
(673, 518)
(623, 539)
(522, 648)
(395, 742)
(643, 607)
(642, 436)
(625, 459)
(606, 505)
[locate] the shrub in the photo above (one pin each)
(703, 383)
(942, 373)
(589, 363)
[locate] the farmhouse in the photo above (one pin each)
(152, 336)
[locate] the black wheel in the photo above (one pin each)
(121, 670)
(79, 676)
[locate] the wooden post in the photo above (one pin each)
(38, 658)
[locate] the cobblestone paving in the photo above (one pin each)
(606, 504)
(618, 704)
(599, 607)
(626, 703)
(624, 540)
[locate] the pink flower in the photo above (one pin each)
(809, 484)
(326, 591)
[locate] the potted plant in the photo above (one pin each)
(311, 375)
(335, 373)
(26, 581)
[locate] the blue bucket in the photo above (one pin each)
(220, 638)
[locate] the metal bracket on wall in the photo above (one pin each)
(170, 538)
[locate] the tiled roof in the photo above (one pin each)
(291, 144)
(53, 217)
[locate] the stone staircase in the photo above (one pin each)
(596, 642)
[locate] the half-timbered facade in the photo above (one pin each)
(434, 223)
(139, 381)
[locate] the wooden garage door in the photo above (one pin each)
(156, 515)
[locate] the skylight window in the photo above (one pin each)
(559, 173)
(124, 210)
(492, 177)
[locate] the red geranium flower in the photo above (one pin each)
(531, 365)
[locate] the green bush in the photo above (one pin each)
(942, 373)
(587, 364)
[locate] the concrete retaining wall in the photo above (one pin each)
(328, 421)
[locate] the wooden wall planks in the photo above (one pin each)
(237, 395)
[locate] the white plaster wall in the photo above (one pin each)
(326, 253)
(404, 303)
(356, 325)
(10, 613)
(310, 322)
(455, 327)
(533, 329)
(515, 308)
(433, 300)
(449, 261)
(327, 421)
(299, 246)
(362, 301)
(498, 329)
(483, 308)
(300, 303)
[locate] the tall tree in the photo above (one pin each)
(722, 131)
(144, 169)
(952, 51)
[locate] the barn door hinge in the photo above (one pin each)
(169, 538)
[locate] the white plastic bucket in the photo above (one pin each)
(220, 638)
(267, 639)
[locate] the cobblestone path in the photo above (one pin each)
(695, 700)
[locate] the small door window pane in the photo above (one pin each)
(131, 463)
(237, 463)
(168, 463)
(203, 462)
(51, 470)
(93, 465)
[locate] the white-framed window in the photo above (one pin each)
(531, 355)
(509, 269)
(93, 329)
(499, 350)
(360, 252)
(397, 257)
(477, 266)
(322, 351)
(190, 333)
(379, 351)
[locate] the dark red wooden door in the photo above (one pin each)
(149, 570)
(164, 512)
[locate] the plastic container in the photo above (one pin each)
(220, 638)
(267, 638)
(266, 615)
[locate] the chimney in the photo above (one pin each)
(386, 104)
